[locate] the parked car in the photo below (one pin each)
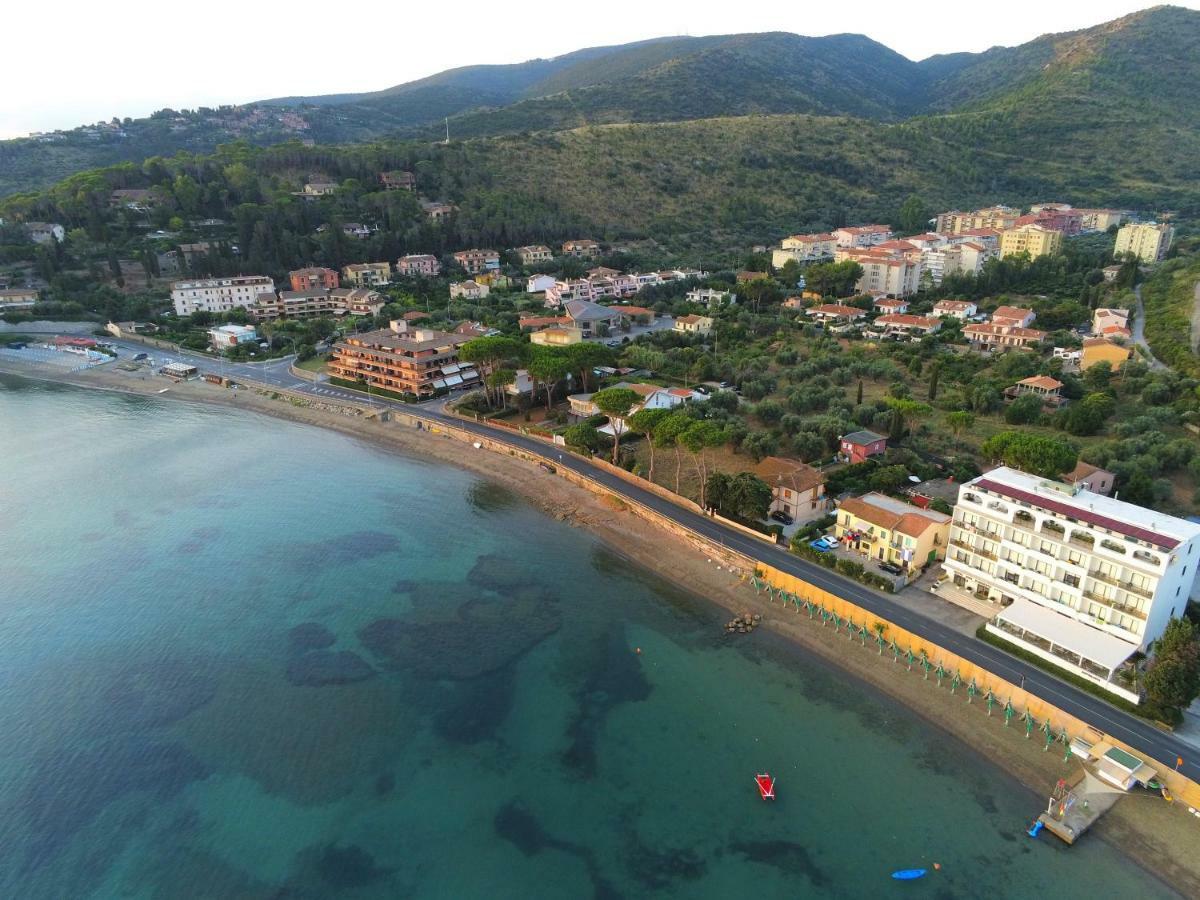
(780, 516)
(137, 357)
(823, 544)
(891, 568)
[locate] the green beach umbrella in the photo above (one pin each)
(955, 682)
(1066, 742)
(1048, 731)
(926, 664)
(991, 699)
(756, 584)
(1008, 712)
(971, 691)
(940, 673)
(880, 641)
(909, 658)
(895, 652)
(808, 608)
(1028, 724)
(862, 633)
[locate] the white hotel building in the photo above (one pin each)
(218, 295)
(1084, 581)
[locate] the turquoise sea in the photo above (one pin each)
(241, 658)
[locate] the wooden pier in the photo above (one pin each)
(1073, 810)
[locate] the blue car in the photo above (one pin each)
(823, 544)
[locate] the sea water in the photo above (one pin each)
(241, 657)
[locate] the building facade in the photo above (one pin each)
(1148, 241)
(888, 530)
(476, 262)
(797, 489)
(373, 274)
(859, 446)
(581, 249)
(424, 265)
(534, 254)
(803, 248)
(1082, 580)
(226, 337)
(218, 295)
(313, 279)
(1034, 239)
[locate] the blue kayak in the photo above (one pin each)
(908, 874)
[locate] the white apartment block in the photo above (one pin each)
(1084, 581)
(884, 272)
(1148, 241)
(218, 295)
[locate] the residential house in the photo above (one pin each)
(475, 330)
(955, 309)
(602, 272)
(592, 319)
(226, 337)
(1148, 241)
(218, 295)
(314, 278)
(1104, 318)
(468, 290)
(581, 249)
(888, 530)
(793, 303)
(437, 211)
(566, 290)
(130, 329)
(890, 305)
(797, 489)
(195, 253)
(404, 359)
(356, 230)
(912, 326)
(537, 323)
(136, 199)
(1042, 386)
(710, 297)
(373, 274)
(701, 325)
(1110, 273)
(831, 314)
(1092, 478)
(988, 337)
(477, 261)
(418, 265)
(1102, 349)
(534, 254)
(556, 337)
(804, 248)
(13, 299)
(639, 315)
(415, 315)
(1013, 315)
(522, 383)
(398, 181)
(319, 188)
(859, 446)
(1080, 579)
(538, 284)
(1033, 239)
(862, 235)
(359, 301)
(745, 276)
(45, 232)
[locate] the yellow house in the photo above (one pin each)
(556, 337)
(1102, 350)
(890, 530)
(693, 325)
(1033, 239)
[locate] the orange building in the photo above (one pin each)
(314, 279)
(404, 359)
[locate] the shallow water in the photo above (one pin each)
(240, 657)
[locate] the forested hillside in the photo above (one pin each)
(1120, 91)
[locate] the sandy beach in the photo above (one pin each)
(1161, 837)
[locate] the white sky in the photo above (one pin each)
(73, 62)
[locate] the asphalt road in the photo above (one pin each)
(1136, 732)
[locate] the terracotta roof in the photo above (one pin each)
(906, 320)
(790, 473)
(1014, 330)
(1072, 511)
(953, 304)
(913, 523)
(837, 309)
(1099, 341)
(1011, 312)
(1042, 381)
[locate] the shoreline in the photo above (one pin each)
(1157, 836)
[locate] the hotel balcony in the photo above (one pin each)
(1123, 585)
(1116, 605)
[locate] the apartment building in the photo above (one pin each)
(468, 290)
(359, 301)
(1034, 239)
(862, 235)
(373, 274)
(884, 272)
(424, 265)
(401, 358)
(476, 262)
(803, 248)
(956, 221)
(534, 254)
(314, 278)
(218, 295)
(1099, 219)
(902, 325)
(315, 303)
(1148, 241)
(1083, 580)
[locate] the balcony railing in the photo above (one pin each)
(1123, 585)
(1115, 605)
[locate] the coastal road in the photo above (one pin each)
(1135, 731)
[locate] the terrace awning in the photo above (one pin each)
(1069, 634)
